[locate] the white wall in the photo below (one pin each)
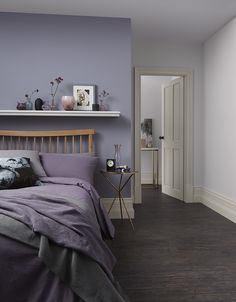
(219, 140)
(151, 93)
(176, 55)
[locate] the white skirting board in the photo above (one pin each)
(217, 202)
(115, 211)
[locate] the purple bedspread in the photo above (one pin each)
(71, 215)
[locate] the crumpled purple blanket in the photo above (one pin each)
(66, 210)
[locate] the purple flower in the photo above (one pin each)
(103, 94)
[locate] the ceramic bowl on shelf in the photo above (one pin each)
(68, 102)
(21, 106)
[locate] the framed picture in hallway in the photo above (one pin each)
(146, 133)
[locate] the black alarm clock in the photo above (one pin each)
(111, 164)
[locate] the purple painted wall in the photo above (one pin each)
(83, 50)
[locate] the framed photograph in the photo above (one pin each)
(146, 133)
(84, 96)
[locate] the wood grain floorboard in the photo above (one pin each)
(178, 252)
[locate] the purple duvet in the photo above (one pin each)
(68, 225)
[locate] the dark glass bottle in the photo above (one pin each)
(38, 104)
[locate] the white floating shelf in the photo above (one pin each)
(59, 113)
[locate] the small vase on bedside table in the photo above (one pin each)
(117, 155)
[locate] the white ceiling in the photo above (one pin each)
(192, 21)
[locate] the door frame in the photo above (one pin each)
(187, 75)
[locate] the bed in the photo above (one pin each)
(53, 225)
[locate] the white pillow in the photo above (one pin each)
(31, 154)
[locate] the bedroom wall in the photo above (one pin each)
(37, 48)
(219, 115)
(177, 54)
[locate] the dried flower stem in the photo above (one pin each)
(33, 92)
(57, 81)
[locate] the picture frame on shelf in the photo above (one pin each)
(84, 96)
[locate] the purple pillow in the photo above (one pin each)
(69, 165)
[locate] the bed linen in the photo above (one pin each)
(62, 221)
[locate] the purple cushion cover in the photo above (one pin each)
(69, 165)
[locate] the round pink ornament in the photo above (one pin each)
(68, 102)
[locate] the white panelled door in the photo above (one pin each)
(172, 139)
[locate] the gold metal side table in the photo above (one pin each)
(122, 183)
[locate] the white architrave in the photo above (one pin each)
(188, 126)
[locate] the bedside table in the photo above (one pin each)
(122, 184)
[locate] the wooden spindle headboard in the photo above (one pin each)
(66, 141)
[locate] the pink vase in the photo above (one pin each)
(68, 102)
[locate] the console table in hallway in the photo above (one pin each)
(154, 167)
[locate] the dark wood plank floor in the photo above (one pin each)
(178, 252)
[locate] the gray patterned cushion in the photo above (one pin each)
(16, 172)
(31, 154)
